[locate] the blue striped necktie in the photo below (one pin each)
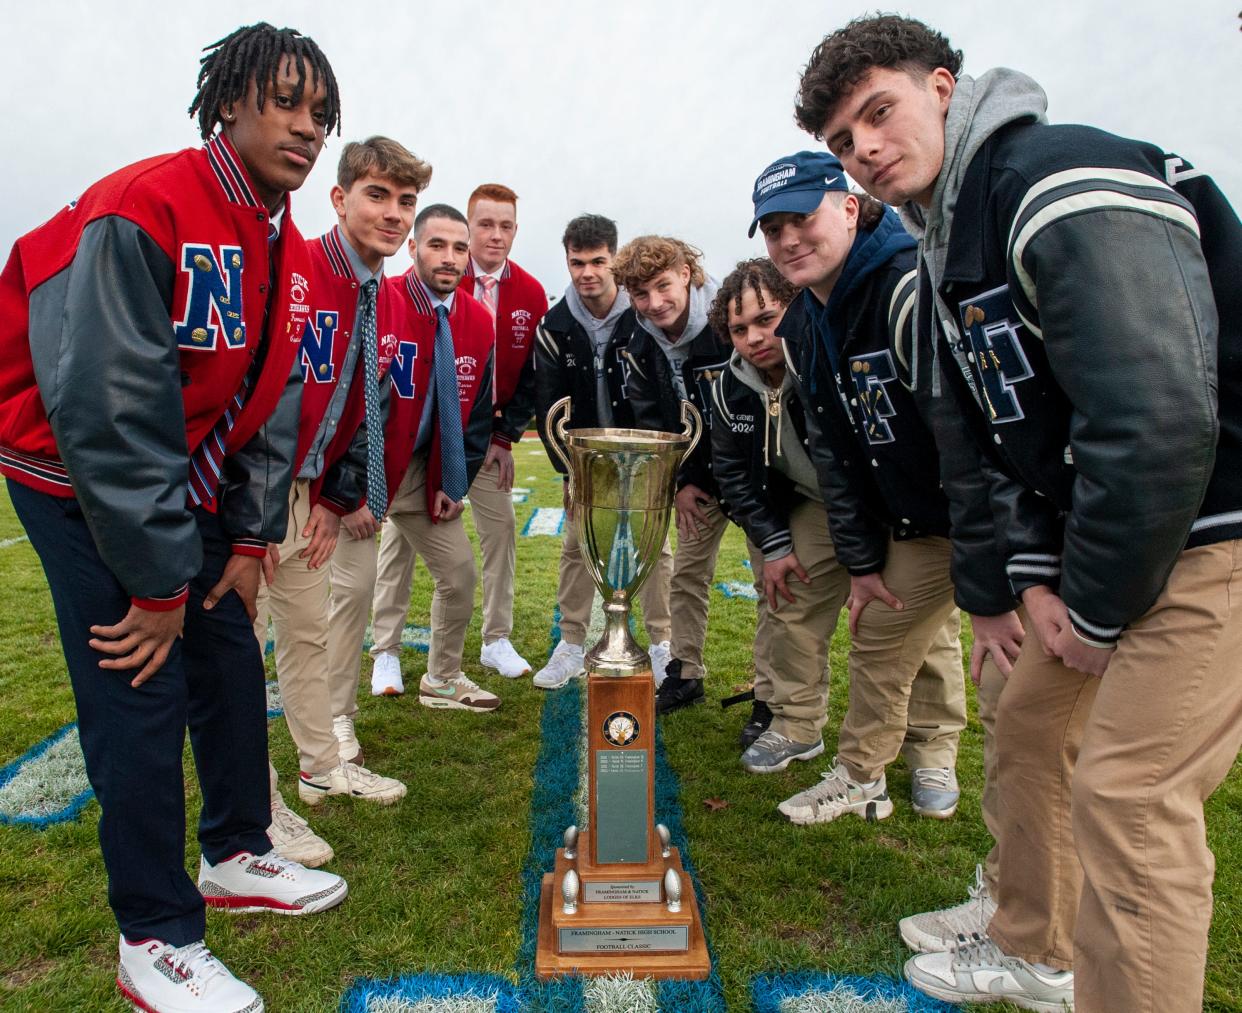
(377, 486)
(448, 406)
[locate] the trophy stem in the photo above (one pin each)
(617, 654)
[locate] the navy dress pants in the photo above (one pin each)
(133, 739)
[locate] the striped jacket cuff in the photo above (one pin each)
(249, 547)
(776, 546)
(1093, 634)
(503, 439)
(1026, 569)
(164, 603)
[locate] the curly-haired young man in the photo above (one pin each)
(1078, 306)
(674, 356)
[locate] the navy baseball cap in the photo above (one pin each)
(796, 183)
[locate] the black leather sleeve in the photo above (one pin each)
(513, 419)
(109, 374)
(552, 382)
(478, 433)
(254, 488)
(732, 456)
(649, 392)
(1132, 342)
(345, 481)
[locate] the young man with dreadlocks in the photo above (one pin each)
(673, 356)
(1078, 307)
(173, 289)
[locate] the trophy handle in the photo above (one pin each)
(692, 426)
(558, 417)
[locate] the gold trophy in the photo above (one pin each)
(619, 899)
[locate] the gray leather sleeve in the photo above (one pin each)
(1132, 342)
(109, 374)
(254, 488)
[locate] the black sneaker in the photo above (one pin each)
(676, 692)
(760, 718)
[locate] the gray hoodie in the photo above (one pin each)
(782, 447)
(678, 351)
(977, 110)
(599, 330)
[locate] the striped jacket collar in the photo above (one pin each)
(469, 275)
(334, 247)
(231, 174)
(421, 296)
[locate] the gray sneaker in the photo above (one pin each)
(978, 972)
(836, 795)
(936, 931)
(934, 792)
(772, 751)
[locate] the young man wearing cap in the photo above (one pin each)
(515, 302)
(340, 457)
(674, 355)
(578, 353)
(439, 425)
(878, 467)
(1106, 392)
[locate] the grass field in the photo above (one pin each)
(436, 883)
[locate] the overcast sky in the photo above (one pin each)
(658, 113)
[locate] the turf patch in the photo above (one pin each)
(47, 784)
(545, 521)
(738, 589)
(817, 992)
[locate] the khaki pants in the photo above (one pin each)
(694, 564)
(991, 682)
(905, 697)
(1113, 773)
(298, 603)
(576, 593)
(355, 588)
(496, 525)
(763, 630)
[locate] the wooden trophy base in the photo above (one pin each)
(620, 937)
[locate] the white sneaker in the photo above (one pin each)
(565, 664)
(349, 747)
(292, 837)
(159, 978)
(937, 931)
(455, 694)
(836, 795)
(248, 882)
(979, 972)
(500, 655)
(351, 780)
(386, 676)
(660, 654)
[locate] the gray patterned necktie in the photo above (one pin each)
(448, 408)
(377, 486)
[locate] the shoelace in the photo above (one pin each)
(287, 821)
(976, 953)
(193, 961)
(979, 889)
(934, 777)
(769, 737)
(833, 785)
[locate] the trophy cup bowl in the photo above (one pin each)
(621, 485)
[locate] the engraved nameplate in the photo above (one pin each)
(621, 810)
(621, 938)
(622, 891)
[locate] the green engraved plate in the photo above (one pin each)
(620, 806)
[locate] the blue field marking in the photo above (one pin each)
(545, 521)
(825, 993)
(53, 809)
(432, 992)
(738, 589)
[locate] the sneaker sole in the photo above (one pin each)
(543, 685)
(139, 1004)
(240, 905)
(777, 767)
(873, 810)
(440, 703)
(507, 675)
(935, 814)
(387, 691)
(938, 991)
(385, 798)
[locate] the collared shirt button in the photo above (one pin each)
(874, 463)
(996, 437)
(905, 520)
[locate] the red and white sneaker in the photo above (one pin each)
(248, 882)
(157, 977)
